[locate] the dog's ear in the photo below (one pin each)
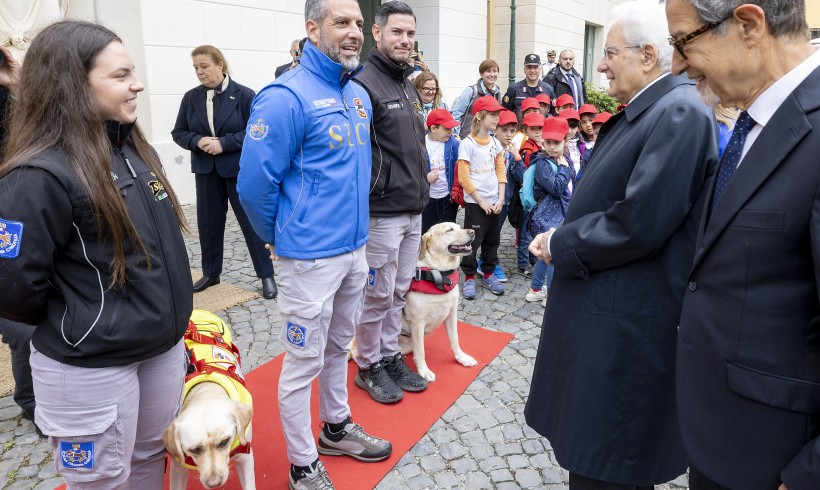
(171, 439)
(424, 241)
(242, 414)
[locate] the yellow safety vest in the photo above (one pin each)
(212, 356)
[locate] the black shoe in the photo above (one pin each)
(29, 415)
(377, 382)
(269, 290)
(401, 373)
(205, 283)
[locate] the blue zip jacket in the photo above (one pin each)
(305, 168)
(450, 159)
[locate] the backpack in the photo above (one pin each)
(467, 117)
(529, 198)
(457, 192)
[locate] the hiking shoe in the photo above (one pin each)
(527, 271)
(468, 291)
(353, 441)
(314, 479)
(493, 285)
(403, 375)
(499, 273)
(533, 296)
(378, 383)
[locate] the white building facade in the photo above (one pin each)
(255, 36)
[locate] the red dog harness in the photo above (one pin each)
(433, 281)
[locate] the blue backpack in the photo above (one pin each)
(527, 191)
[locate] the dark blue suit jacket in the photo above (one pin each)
(230, 122)
(748, 357)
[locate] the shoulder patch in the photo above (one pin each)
(258, 130)
(506, 99)
(11, 235)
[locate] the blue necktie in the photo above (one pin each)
(731, 157)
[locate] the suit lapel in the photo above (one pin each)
(199, 108)
(226, 105)
(783, 132)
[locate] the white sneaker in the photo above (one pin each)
(533, 296)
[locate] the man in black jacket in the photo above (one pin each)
(398, 193)
(295, 53)
(565, 80)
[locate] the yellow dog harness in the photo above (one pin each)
(213, 357)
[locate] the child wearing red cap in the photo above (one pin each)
(483, 176)
(575, 146)
(587, 112)
(530, 105)
(544, 104)
(442, 154)
(553, 189)
(564, 102)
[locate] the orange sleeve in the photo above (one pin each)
(464, 176)
(500, 168)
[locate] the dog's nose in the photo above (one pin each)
(214, 481)
(471, 232)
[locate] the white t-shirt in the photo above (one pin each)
(482, 167)
(435, 149)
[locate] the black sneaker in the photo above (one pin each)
(377, 382)
(403, 375)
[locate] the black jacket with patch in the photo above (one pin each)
(60, 280)
(398, 179)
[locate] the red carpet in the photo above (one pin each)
(403, 424)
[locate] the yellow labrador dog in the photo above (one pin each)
(214, 423)
(433, 296)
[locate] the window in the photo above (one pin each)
(591, 36)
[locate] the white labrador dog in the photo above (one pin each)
(212, 422)
(441, 250)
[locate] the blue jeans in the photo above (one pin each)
(540, 273)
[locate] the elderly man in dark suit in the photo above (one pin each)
(603, 384)
(748, 357)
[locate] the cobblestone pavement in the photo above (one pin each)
(480, 442)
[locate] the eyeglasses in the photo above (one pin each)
(611, 51)
(427, 90)
(680, 42)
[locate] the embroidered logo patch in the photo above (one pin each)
(77, 454)
(417, 107)
(297, 334)
(371, 277)
(325, 103)
(259, 130)
(158, 189)
(11, 234)
(360, 108)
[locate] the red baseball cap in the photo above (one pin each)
(543, 99)
(486, 103)
(587, 109)
(530, 103)
(555, 128)
(570, 114)
(563, 100)
(533, 119)
(441, 117)
(507, 117)
(601, 118)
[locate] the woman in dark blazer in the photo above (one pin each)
(211, 123)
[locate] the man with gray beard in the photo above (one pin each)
(305, 159)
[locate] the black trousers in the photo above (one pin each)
(487, 228)
(213, 193)
(439, 210)
(578, 482)
(18, 336)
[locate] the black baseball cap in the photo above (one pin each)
(532, 59)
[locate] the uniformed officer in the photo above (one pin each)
(530, 86)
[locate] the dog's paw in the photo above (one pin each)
(465, 360)
(427, 374)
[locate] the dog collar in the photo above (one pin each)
(433, 281)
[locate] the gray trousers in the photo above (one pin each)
(392, 255)
(118, 413)
(320, 301)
